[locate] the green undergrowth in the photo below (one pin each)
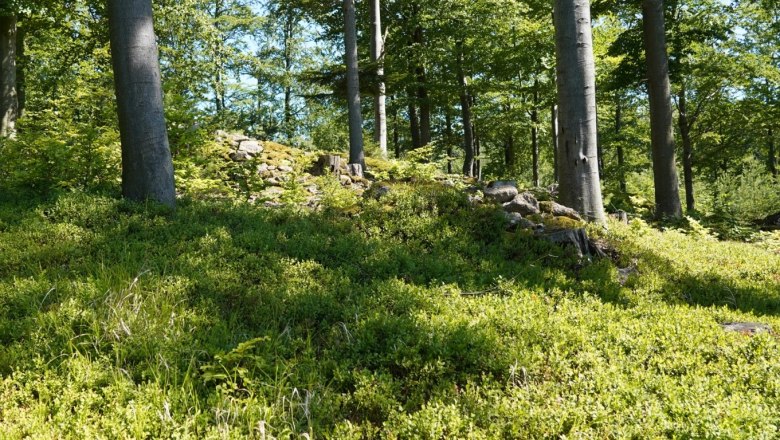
(414, 316)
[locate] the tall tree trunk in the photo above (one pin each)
(465, 106)
(477, 144)
(414, 122)
(147, 168)
(21, 66)
(423, 100)
(396, 134)
(685, 133)
(289, 30)
(356, 155)
(554, 138)
(9, 104)
(578, 170)
(448, 138)
(772, 155)
(535, 135)
(667, 187)
(619, 138)
(377, 56)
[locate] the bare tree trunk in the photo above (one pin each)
(289, 30)
(535, 135)
(772, 154)
(667, 187)
(21, 65)
(448, 138)
(356, 155)
(554, 136)
(578, 171)
(9, 104)
(618, 137)
(377, 56)
(147, 168)
(685, 133)
(396, 134)
(414, 123)
(465, 105)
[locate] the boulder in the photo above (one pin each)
(285, 169)
(746, 328)
(559, 210)
(517, 221)
(501, 191)
(239, 156)
(523, 204)
(251, 147)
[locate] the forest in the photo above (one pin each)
(400, 219)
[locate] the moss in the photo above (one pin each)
(557, 223)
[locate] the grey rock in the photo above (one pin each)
(313, 189)
(262, 168)
(239, 156)
(285, 169)
(523, 204)
(251, 147)
(345, 179)
(747, 328)
(559, 210)
(501, 191)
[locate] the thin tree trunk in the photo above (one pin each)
(396, 134)
(147, 168)
(685, 133)
(772, 154)
(667, 196)
(356, 155)
(448, 138)
(535, 135)
(9, 104)
(21, 65)
(477, 145)
(578, 171)
(289, 29)
(554, 138)
(619, 138)
(414, 123)
(465, 105)
(377, 56)
(423, 99)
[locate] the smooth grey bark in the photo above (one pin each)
(667, 186)
(685, 132)
(554, 138)
(377, 56)
(147, 168)
(356, 154)
(9, 104)
(578, 171)
(465, 106)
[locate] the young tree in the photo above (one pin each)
(578, 170)
(356, 154)
(147, 168)
(667, 195)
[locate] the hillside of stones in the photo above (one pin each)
(280, 170)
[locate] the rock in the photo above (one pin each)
(273, 181)
(501, 191)
(559, 210)
(345, 180)
(523, 204)
(625, 273)
(377, 191)
(313, 189)
(262, 168)
(517, 221)
(239, 156)
(746, 328)
(575, 238)
(273, 192)
(251, 147)
(270, 204)
(285, 169)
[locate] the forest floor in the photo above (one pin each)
(414, 315)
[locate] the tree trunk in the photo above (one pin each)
(356, 155)
(578, 171)
(618, 138)
(535, 135)
(9, 104)
(289, 30)
(147, 168)
(465, 105)
(414, 123)
(685, 133)
(554, 138)
(667, 187)
(448, 138)
(21, 65)
(772, 154)
(377, 56)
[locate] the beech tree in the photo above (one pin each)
(9, 101)
(578, 170)
(667, 187)
(147, 167)
(377, 56)
(356, 155)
